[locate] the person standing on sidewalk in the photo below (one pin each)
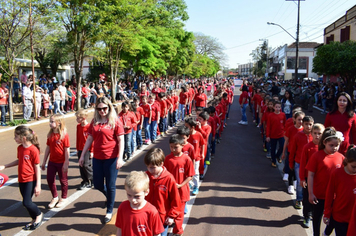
(27, 97)
(4, 95)
(243, 103)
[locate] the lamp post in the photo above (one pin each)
(296, 45)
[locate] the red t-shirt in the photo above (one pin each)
(156, 91)
(142, 94)
(3, 98)
(183, 97)
(344, 124)
(205, 130)
(155, 108)
(82, 135)
(322, 164)
(169, 102)
(256, 100)
(275, 125)
(197, 141)
(164, 195)
(340, 196)
(200, 100)
(175, 101)
(297, 145)
(242, 96)
(351, 231)
(142, 222)
(105, 139)
(308, 151)
(191, 93)
(181, 168)
(290, 134)
(163, 108)
(85, 92)
(139, 113)
(188, 150)
(146, 110)
(212, 123)
(57, 147)
(28, 158)
(128, 119)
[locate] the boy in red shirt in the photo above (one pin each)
(147, 114)
(275, 131)
(86, 170)
(163, 113)
(214, 130)
(163, 194)
(181, 167)
(136, 216)
(175, 101)
(155, 116)
(140, 118)
(128, 119)
(298, 142)
(205, 130)
(243, 100)
(198, 142)
(188, 148)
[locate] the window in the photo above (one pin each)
(345, 34)
(291, 63)
(303, 63)
(330, 39)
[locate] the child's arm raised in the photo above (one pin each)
(43, 167)
(11, 164)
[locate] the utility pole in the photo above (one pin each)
(297, 47)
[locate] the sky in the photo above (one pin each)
(240, 26)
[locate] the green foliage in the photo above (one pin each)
(17, 122)
(337, 59)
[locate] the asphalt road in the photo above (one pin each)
(241, 194)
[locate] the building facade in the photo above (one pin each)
(245, 70)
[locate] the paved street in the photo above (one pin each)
(241, 194)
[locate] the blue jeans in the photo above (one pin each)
(323, 102)
(133, 140)
(147, 128)
(165, 232)
(228, 111)
(277, 154)
(286, 163)
(181, 113)
(162, 125)
(3, 113)
(207, 158)
(105, 170)
(174, 117)
(128, 139)
(153, 130)
(57, 108)
(139, 136)
(243, 110)
(213, 144)
(187, 108)
(299, 187)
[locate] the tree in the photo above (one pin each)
(259, 55)
(207, 45)
(337, 59)
(15, 32)
(80, 19)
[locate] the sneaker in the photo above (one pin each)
(274, 165)
(83, 185)
(191, 186)
(53, 203)
(61, 203)
(245, 123)
(306, 222)
(265, 149)
(148, 142)
(195, 190)
(291, 189)
(268, 155)
(298, 205)
(207, 163)
(279, 160)
(107, 218)
(240, 122)
(201, 177)
(295, 184)
(285, 177)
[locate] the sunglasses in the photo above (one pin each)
(101, 108)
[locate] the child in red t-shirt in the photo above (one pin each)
(188, 148)
(140, 118)
(58, 151)
(301, 139)
(181, 167)
(275, 131)
(136, 216)
(29, 172)
(86, 169)
(175, 101)
(128, 119)
(183, 101)
(198, 142)
(163, 112)
(155, 117)
(308, 151)
(147, 113)
(205, 130)
(267, 110)
(214, 131)
(163, 194)
(320, 166)
(340, 194)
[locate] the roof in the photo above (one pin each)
(305, 45)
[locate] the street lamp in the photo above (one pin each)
(296, 47)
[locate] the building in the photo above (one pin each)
(245, 70)
(342, 29)
(282, 61)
